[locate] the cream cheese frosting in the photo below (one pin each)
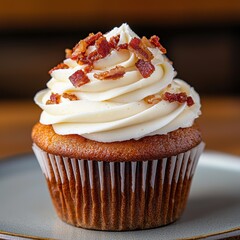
(117, 110)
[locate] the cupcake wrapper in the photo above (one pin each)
(119, 195)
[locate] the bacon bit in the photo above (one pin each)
(103, 47)
(155, 41)
(93, 56)
(146, 42)
(92, 38)
(113, 74)
(54, 99)
(190, 101)
(145, 68)
(79, 50)
(68, 53)
(178, 97)
(113, 42)
(79, 78)
(71, 97)
(136, 46)
(59, 66)
(76, 55)
(175, 97)
(153, 99)
(122, 46)
(88, 68)
(82, 60)
(81, 46)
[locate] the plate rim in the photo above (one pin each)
(204, 236)
(234, 160)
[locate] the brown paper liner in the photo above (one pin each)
(119, 195)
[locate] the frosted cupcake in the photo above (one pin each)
(117, 140)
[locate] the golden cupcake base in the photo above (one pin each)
(119, 195)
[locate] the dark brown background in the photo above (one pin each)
(202, 37)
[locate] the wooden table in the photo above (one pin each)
(220, 124)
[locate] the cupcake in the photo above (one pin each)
(117, 140)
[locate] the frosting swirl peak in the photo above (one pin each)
(127, 92)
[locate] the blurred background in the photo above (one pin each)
(202, 37)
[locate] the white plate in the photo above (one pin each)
(213, 209)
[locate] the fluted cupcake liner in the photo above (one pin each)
(119, 195)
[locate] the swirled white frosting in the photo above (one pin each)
(115, 110)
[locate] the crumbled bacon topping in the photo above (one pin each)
(153, 99)
(54, 99)
(113, 74)
(92, 38)
(190, 101)
(155, 41)
(170, 97)
(178, 97)
(175, 97)
(82, 60)
(93, 56)
(146, 42)
(79, 78)
(114, 41)
(122, 46)
(70, 96)
(146, 68)
(59, 66)
(88, 68)
(136, 46)
(82, 46)
(79, 50)
(103, 47)
(68, 53)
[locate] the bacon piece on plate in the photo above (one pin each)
(113, 74)
(145, 68)
(155, 41)
(54, 99)
(79, 78)
(59, 66)
(136, 46)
